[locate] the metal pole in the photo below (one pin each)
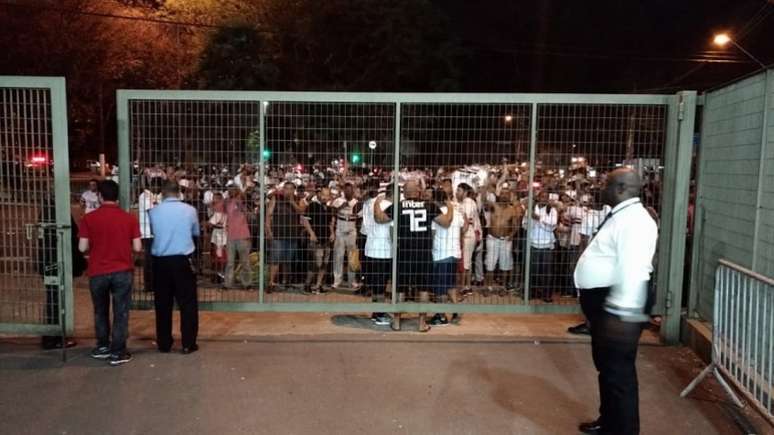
(530, 199)
(62, 196)
(60, 233)
(262, 194)
(748, 54)
(124, 165)
(761, 169)
(677, 212)
(395, 202)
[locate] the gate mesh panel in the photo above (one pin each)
(27, 199)
(476, 155)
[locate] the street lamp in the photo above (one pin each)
(508, 118)
(722, 39)
(372, 147)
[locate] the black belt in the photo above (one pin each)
(347, 219)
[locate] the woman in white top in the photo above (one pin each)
(471, 230)
(218, 238)
(148, 199)
(447, 252)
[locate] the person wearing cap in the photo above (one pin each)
(175, 227)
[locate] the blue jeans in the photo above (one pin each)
(119, 285)
(443, 276)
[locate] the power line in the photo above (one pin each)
(708, 58)
(756, 19)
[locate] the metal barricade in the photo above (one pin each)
(742, 336)
(35, 262)
(498, 159)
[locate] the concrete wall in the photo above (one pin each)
(735, 205)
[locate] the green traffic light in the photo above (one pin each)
(266, 154)
(355, 158)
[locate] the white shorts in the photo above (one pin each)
(468, 248)
(498, 251)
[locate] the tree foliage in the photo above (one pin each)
(357, 45)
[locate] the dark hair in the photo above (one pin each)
(465, 187)
(108, 189)
(171, 188)
(388, 191)
(93, 180)
(439, 195)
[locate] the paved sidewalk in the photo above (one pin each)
(341, 385)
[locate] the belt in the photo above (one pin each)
(498, 237)
(347, 219)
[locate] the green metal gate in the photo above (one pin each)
(36, 294)
(557, 143)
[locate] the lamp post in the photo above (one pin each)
(722, 39)
(372, 147)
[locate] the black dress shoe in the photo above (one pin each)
(591, 427)
(581, 329)
(190, 350)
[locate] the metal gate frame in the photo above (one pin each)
(677, 158)
(58, 93)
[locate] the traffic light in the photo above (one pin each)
(266, 154)
(356, 158)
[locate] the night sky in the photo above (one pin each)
(606, 45)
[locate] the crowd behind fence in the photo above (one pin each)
(494, 198)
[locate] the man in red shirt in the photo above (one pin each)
(110, 234)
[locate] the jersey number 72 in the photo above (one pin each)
(417, 219)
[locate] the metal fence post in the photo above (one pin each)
(395, 201)
(62, 195)
(761, 170)
(530, 200)
(124, 154)
(262, 194)
(674, 221)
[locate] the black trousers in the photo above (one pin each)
(614, 351)
(174, 281)
(147, 265)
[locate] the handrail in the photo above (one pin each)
(741, 269)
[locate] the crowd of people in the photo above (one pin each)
(461, 231)
(432, 229)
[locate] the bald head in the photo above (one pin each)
(620, 185)
(411, 189)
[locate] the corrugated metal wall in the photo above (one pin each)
(735, 206)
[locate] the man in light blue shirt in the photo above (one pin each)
(175, 229)
(175, 225)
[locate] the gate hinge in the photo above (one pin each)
(668, 301)
(681, 110)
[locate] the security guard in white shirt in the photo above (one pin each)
(613, 274)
